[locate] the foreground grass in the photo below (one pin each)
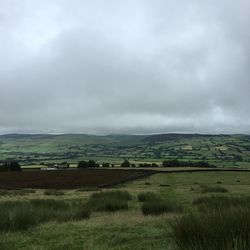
(129, 228)
(122, 230)
(226, 229)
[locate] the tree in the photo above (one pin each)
(105, 165)
(154, 165)
(125, 164)
(11, 166)
(82, 164)
(92, 164)
(88, 164)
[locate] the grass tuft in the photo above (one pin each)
(214, 189)
(20, 215)
(53, 192)
(109, 201)
(147, 196)
(13, 192)
(221, 202)
(160, 207)
(222, 229)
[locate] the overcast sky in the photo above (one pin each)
(124, 66)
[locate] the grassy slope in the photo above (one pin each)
(128, 229)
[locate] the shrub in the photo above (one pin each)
(53, 192)
(109, 201)
(160, 207)
(147, 196)
(224, 230)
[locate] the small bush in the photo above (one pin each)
(160, 207)
(214, 230)
(147, 196)
(109, 201)
(53, 192)
(147, 183)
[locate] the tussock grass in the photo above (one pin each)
(214, 230)
(120, 195)
(109, 201)
(20, 215)
(214, 189)
(160, 207)
(13, 192)
(88, 189)
(221, 202)
(148, 196)
(53, 192)
(164, 185)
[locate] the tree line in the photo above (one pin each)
(166, 163)
(10, 166)
(15, 166)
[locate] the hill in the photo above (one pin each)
(222, 150)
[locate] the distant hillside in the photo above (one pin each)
(175, 136)
(221, 150)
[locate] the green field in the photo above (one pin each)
(126, 229)
(221, 150)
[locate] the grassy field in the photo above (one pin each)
(127, 228)
(221, 150)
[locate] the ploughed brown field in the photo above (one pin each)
(68, 179)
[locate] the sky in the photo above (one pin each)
(124, 66)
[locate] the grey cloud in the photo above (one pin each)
(125, 66)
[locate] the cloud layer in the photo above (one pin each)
(125, 66)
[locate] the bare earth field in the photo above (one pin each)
(68, 179)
